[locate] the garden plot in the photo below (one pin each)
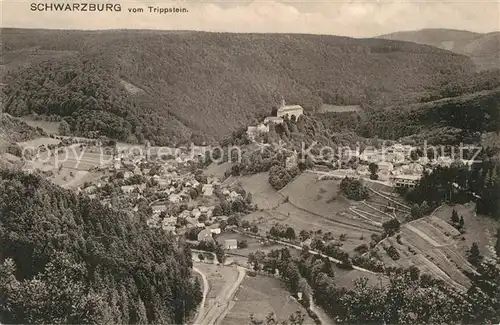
(431, 232)
(448, 266)
(317, 196)
(261, 295)
(442, 225)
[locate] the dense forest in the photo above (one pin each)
(67, 259)
(179, 86)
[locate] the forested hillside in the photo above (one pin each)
(483, 49)
(181, 86)
(459, 111)
(67, 259)
(472, 113)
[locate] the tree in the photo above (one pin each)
(304, 235)
(242, 243)
(475, 256)
(497, 245)
(290, 233)
(461, 222)
(254, 229)
(391, 227)
(201, 257)
(454, 217)
(353, 189)
(296, 318)
(373, 167)
(416, 212)
(64, 128)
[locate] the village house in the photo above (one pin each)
(163, 184)
(363, 170)
(174, 198)
(407, 181)
(169, 229)
(233, 195)
(207, 190)
(127, 189)
(230, 244)
(159, 208)
(117, 163)
(371, 155)
(273, 119)
(385, 166)
(205, 235)
(216, 231)
(253, 131)
(196, 213)
(90, 189)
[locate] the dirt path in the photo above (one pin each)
(323, 317)
(216, 312)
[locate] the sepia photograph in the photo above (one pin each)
(250, 162)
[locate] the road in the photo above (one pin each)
(201, 311)
(216, 312)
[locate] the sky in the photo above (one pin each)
(348, 18)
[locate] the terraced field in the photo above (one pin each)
(429, 244)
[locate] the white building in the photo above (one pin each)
(208, 190)
(230, 244)
(385, 166)
(216, 231)
(408, 181)
(273, 119)
(290, 110)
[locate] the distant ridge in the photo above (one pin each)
(482, 48)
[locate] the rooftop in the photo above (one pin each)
(289, 108)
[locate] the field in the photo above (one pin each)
(263, 194)
(479, 229)
(217, 170)
(48, 127)
(327, 108)
(35, 143)
(313, 205)
(346, 278)
(261, 295)
(70, 168)
(218, 278)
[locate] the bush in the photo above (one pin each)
(361, 249)
(392, 252)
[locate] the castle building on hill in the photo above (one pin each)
(290, 110)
